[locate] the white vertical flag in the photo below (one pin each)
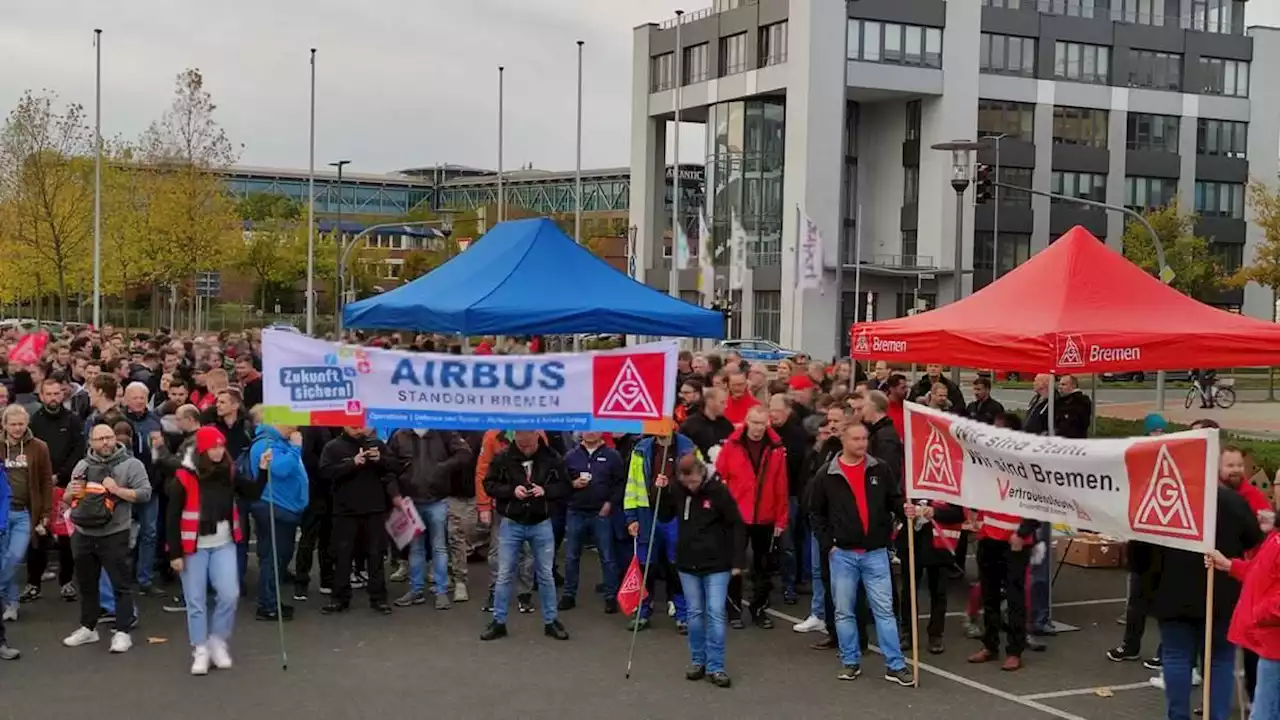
(706, 270)
(682, 248)
(737, 252)
(808, 254)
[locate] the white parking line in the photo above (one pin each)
(974, 684)
(1085, 691)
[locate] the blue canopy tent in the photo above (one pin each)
(526, 277)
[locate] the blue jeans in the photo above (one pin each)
(796, 555)
(1040, 613)
(706, 595)
(817, 604)
(435, 515)
(542, 546)
(216, 567)
(577, 525)
(13, 548)
(1266, 695)
(872, 570)
(271, 561)
(147, 516)
(1181, 644)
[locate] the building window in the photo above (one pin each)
(1218, 16)
(910, 245)
(913, 120)
(697, 66)
(1222, 138)
(1014, 249)
(1076, 8)
(773, 44)
(1224, 77)
(1141, 12)
(733, 54)
(910, 185)
(767, 314)
(1148, 193)
(1082, 63)
(1007, 55)
(1080, 126)
(1007, 4)
(1155, 70)
(1220, 199)
(1015, 120)
(1230, 256)
(1087, 186)
(661, 72)
(1018, 177)
(895, 43)
(1153, 133)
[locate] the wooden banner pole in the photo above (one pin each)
(915, 612)
(1208, 643)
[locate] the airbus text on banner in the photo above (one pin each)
(1162, 490)
(313, 382)
(808, 255)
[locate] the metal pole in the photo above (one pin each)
(675, 171)
(311, 209)
(995, 222)
(958, 264)
(502, 202)
(577, 181)
(342, 248)
(97, 182)
(345, 255)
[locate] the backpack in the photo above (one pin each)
(243, 467)
(94, 508)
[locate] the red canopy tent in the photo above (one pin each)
(1076, 307)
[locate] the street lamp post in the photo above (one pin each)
(961, 162)
(446, 227)
(338, 234)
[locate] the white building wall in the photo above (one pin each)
(882, 128)
(1264, 151)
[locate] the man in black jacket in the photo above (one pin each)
(883, 442)
(428, 461)
(708, 427)
(1037, 416)
(853, 505)
(363, 475)
(523, 481)
(933, 375)
(984, 408)
(317, 519)
(60, 429)
(1073, 411)
(795, 542)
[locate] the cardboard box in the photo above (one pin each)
(1089, 551)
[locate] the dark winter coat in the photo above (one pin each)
(428, 464)
(365, 489)
(507, 471)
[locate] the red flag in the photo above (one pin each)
(633, 591)
(29, 349)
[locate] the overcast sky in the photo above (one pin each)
(400, 83)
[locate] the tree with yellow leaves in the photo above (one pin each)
(46, 182)
(1264, 269)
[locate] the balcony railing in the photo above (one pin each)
(719, 7)
(906, 262)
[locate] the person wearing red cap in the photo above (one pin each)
(739, 401)
(202, 528)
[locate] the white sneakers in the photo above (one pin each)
(120, 642)
(219, 653)
(810, 624)
(82, 636)
(11, 613)
(460, 594)
(1196, 679)
(200, 660)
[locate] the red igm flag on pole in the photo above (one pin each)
(29, 349)
(632, 592)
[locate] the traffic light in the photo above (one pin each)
(982, 187)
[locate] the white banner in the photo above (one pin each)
(313, 382)
(1162, 490)
(737, 252)
(682, 247)
(808, 254)
(706, 269)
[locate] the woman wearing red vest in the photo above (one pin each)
(203, 528)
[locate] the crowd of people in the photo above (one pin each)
(134, 461)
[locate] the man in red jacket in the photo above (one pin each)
(753, 465)
(740, 401)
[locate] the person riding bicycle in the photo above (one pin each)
(1204, 382)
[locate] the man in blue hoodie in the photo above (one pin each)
(288, 490)
(653, 456)
(145, 425)
(598, 479)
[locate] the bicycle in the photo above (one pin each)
(1222, 395)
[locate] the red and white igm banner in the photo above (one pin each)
(1162, 490)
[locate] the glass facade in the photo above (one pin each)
(744, 178)
(353, 198)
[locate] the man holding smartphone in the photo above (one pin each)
(598, 483)
(363, 476)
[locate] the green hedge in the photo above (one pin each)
(1266, 453)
